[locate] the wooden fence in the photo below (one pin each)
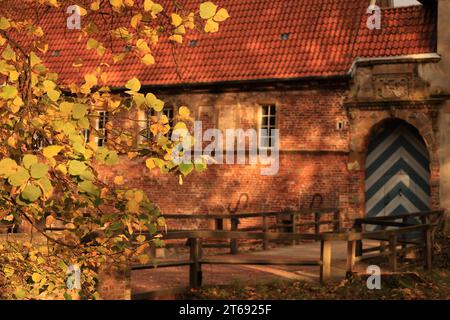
(394, 236)
(294, 221)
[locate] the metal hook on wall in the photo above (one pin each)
(313, 201)
(238, 204)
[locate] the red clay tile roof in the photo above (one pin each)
(325, 37)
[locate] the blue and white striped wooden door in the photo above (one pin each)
(397, 172)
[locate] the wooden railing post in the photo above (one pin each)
(393, 252)
(233, 242)
(195, 268)
(404, 245)
(294, 228)
(325, 257)
(265, 230)
(337, 221)
(317, 222)
(351, 255)
(359, 246)
(428, 250)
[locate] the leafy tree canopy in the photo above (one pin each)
(49, 171)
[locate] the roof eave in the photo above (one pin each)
(410, 58)
(240, 83)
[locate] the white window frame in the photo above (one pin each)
(104, 130)
(270, 127)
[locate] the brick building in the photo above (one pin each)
(363, 113)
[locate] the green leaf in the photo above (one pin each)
(88, 187)
(67, 296)
(19, 178)
(112, 158)
(79, 111)
(186, 168)
(46, 186)
(63, 265)
(87, 175)
(200, 167)
(68, 128)
(53, 95)
(76, 167)
(31, 193)
(92, 44)
(20, 293)
(4, 23)
(83, 123)
(28, 160)
(39, 170)
(9, 92)
(66, 108)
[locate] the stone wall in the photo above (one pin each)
(438, 77)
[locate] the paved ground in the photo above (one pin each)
(165, 278)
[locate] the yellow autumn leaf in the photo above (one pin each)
(13, 75)
(148, 59)
(92, 44)
(211, 26)
(53, 95)
(135, 20)
(150, 163)
(12, 141)
(118, 180)
(8, 53)
(221, 15)
(155, 8)
(184, 112)
(95, 5)
(36, 277)
(176, 20)
(116, 3)
(142, 46)
(177, 38)
(180, 30)
(91, 80)
(82, 11)
(133, 84)
(100, 50)
(140, 238)
(207, 10)
(51, 151)
(148, 4)
(189, 22)
(48, 85)
(4, 23)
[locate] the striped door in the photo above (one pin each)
(397, 172)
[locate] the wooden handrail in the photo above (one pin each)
(249, 215)
(400, 216)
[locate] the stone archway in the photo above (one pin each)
(397, 170)
(364, 123)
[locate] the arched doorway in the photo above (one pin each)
(397, 171)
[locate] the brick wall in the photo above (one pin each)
(313, 155)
